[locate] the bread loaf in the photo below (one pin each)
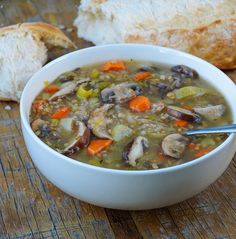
(205, 28)
(23, 52)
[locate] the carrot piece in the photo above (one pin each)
(139, 104)
(191, 146)
(188, 107)
(142, 75)
(181, 123)
(202, 152)
(52, 89)
(61, 113)
(38, 105)
(97, 145)
(161, 156)
(114, 66)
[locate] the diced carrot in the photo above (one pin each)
(202, 152)
(180, 123)
(188, 107)
(38, 105)
(191, 146)
(142, 75)
(61, 113)
(114, 66)
(161, 156)
(98, 145)
(139, 103)
(52, 89)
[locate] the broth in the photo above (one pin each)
(129, 115)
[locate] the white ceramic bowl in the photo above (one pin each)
(119, 188)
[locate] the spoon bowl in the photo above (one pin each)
(231, 128)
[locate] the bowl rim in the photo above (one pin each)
(181, 166)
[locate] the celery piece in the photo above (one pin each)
(102, 85)
(121, 131)
(94, 74)
(188, 91)
(94, 162)
(82, 93)
(207, 142)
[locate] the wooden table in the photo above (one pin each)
(31, 207)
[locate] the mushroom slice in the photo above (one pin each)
(37, 124)
(83, 81)
(183, 114)
(135, 87)
(42, 126)
(180, 74)
(162, 88)
(157, 107)
(98, 121)
(81, 139)
(184, 71)
(66, 89)
(107, 95)
(211, 112)
(123, 94)
(120, 93)
(152, 69)
(135, 150)
(174, 145)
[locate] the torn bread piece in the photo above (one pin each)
(23, 51)
(205, 28)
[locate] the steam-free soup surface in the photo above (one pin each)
(129, 115)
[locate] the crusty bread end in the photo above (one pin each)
(208, 42)
(6, 99)
(42, 31)
(23, 51)
(205, 28)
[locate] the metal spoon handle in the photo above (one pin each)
(214, 130)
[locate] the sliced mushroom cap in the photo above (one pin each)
(163, 88)
(67, 76)
(184, 71)
(98, 122)
(67, 88)
(42, 126)
(36, 124)
(152, 69)
(180, 74)
(174, 145)
(135, 150)
(81, 139)
(211, 112)
(183, 114)
(157, 107)
(120, 93)
(135, 87)
(107, 95)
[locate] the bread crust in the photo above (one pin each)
(206, 29)
(6, 99)
(219, 49)
(42, 31)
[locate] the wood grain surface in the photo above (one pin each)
(31, 207)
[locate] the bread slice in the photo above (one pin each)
(205, 28)
(23, 51)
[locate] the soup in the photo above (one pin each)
(129, 115)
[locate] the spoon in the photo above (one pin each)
(231, 128)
